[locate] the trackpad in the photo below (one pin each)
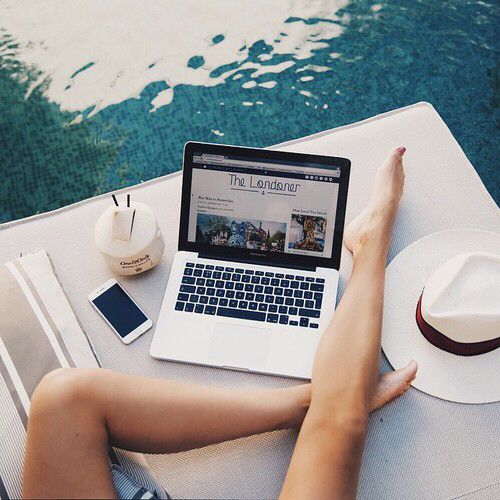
(240, 346)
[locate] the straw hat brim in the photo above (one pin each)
(464, 379)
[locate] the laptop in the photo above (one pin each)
(254, 282)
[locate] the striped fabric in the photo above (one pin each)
(38, 333)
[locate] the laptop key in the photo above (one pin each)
(240, 295)
(187, 288)
(310, 279)
(183, 297)
(288, 292)
(294, 323)
(299, 278)
(210, 283)
(259, 273)
(236, 277)
(229, 269)
(189, 264)
(313, 325)
(320, 280)
(255, 280)
(268, 289)
(245, 278)
(289, 276)
(265, 281)
(272, 318)
(238, 270)
(288, 301)
(226, 276)
(310, 313)
(207, 274)
(210, 310)
(210, 292)
(278, 291)
(285, 283)
(294, 284)
(238, 286)
(249, 296)
(188, 271)
(258, 288)
(216, 275)
(203, 299)
(219, 284)
(293, 311)
(262, 307)
(208, 266)
(273, 308)
(269, 299)
(298, 294)
(223, 302)
(219, 268)
(317, 303)
(279, 300)
(213, 301)
(243, 304)
(229, 285)
(284, 319)
(269, 274)
(199, 308)
(304, 285)
(253, 306)
(259, 297)
(179, 306)
(200, 266)
(201, 290)
(233, 303)
(304, 321)
(197, 272)
(308, 295)
(200, 281)
(279, 275)
(317, 287)
(299, 302)
(230, 294)
(282, 309)
(189, 307)
(219, 292)
(241, 313)
(310, 304)
(275, 282)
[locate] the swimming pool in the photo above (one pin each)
(100, 95)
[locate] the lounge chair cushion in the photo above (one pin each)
(417, 446)
(39, 333)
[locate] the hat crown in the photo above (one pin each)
(461, 300)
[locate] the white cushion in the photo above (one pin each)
(418, 446)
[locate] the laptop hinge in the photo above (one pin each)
(257, 262)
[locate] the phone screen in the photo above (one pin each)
(119, 309)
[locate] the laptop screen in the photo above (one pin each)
(279, 206)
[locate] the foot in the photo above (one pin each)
(393, 384)
(377, 218)
(390, 385)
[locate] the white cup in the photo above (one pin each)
(129, 238)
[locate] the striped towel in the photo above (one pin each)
(39, 332)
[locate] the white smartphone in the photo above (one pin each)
(119, 311)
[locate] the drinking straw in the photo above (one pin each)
(114, 199)
(128, 200)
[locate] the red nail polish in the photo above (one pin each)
(401, 150)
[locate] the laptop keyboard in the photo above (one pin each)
(286, 299)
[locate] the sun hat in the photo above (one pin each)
(442, 308)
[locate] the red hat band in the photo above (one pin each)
(446, 344)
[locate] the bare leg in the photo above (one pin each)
(75, 414)
(327, 457)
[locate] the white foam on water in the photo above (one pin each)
(127, 44)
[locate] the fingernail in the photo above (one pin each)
(401, 150)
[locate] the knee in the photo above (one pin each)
(63, 390)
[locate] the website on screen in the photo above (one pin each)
(263, 205)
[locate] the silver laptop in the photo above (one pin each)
(254, 282)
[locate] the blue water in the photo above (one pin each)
(444, 52)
